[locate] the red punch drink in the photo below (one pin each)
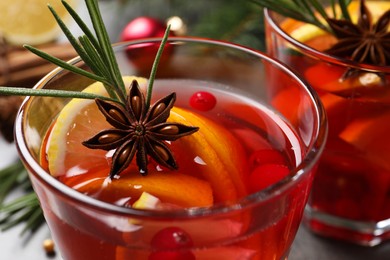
(242, 181)
(351, 191)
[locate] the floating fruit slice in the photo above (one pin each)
(218, 148)
(146, 201)
(368, 85)
(30, 21)
(173, 187)
(368, 136)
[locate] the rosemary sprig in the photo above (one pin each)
(308, 11)
(155, 65)
(50, 93)
(23, 209)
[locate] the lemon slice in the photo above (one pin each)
(146, 201)
(306, 32)
(74, 113)
(30, 21)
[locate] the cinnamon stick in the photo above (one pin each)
(20, 67)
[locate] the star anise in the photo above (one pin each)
(364, 42)
(138, 131)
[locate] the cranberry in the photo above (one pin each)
(172, 244)
(203, 101)
(266, 156)
(265, 175)
(171, 238)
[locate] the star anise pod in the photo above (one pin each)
(138, 131)
(364, 42)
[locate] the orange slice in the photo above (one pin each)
(367, 85)
(216, 146)
(369, 135)
(174, 187)
(146, 201)
(30, 21)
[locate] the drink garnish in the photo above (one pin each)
(362, 42)
(138, 131)
(139, 128)
(308, 11)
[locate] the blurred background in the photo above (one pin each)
(30, 22)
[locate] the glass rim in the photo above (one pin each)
(268, 17)
(308, 161)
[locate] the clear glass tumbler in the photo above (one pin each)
(351, 192)
(258, 225)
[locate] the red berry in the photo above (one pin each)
(171, 238)
(172, 255)
(266, 156)
(203, 101)
(265, 175)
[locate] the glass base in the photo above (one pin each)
(358, 232)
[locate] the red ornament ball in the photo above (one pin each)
(141, 55)
(143, 27)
